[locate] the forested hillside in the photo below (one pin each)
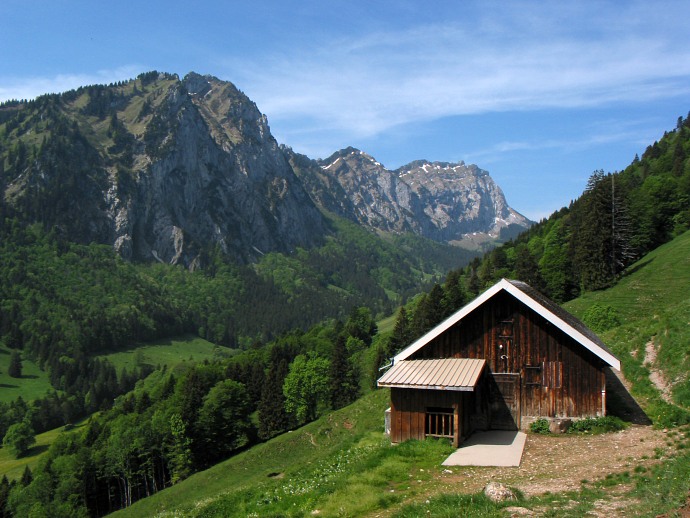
(581, 248)
(179, 421)
(342, 463)
(620, 217)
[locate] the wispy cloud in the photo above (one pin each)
(510, 59)
(566, 145)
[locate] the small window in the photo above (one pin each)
(553, 375)
(533, 375)
(440, 422)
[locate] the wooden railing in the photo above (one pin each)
(440, 424)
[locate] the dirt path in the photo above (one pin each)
(561, 462)
(557, 463)
(655, 375)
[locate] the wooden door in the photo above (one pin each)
(504, 348)
(504, 401)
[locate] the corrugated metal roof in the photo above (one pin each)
(459, 374)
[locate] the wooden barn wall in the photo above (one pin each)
(409, 406)
(559, 377)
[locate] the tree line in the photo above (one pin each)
(620, 217)
(177, 422)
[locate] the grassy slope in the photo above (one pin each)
(168, 352)
(33, 384)
(13, 467)
(268, 466)
(653, 304)
(342, 465)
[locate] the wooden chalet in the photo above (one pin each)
(508, 357)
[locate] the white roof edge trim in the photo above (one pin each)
(503, 284)
(563, 326)
(448, 323)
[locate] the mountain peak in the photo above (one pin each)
(166, 170)
(441, 200)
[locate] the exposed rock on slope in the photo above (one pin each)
(168, 169)
(183, 166)
(441, 201)
(223, 181)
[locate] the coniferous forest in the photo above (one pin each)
(300, 330)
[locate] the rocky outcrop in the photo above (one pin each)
(164, 169)
(222, 181)
(442, 201)
(171, 169)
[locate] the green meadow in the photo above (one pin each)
(33, 384)
(13, 468)
(168, 352)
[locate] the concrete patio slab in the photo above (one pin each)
(493, 448)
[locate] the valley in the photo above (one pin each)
(201, 332)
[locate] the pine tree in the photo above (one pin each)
(454, 296)
(402, 335)
(429, 311)
(527, 269)
(380, 360)
(343, 379)
(4, 496)
(27, 477)
(2, 196)
(593, 235)
(273, 419)
(15, 367)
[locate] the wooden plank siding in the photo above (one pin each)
(409, 408)
(559, 377)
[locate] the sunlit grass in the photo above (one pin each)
(33, 384)
(168, 352)
(13, 468)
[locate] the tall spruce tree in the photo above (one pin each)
(454, 294)
(402, 334)
(593, 239)
(273, 419)
(429, 312)
(15, 367)
(344, 380)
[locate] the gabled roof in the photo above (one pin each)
(540, 304)
(460, 374)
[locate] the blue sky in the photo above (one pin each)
(540, 94)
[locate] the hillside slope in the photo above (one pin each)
(342, 464)
(649, 311)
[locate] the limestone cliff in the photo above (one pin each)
(168, 169)
(442, 201)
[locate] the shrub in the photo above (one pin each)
(601, 318)
(596, 425)
(540, 426)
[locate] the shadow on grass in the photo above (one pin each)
(5, 385)
(36, 450)
(637, 268)
(132, 348)
(29, 377)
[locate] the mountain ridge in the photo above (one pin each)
(165, 169)
(440, 200)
